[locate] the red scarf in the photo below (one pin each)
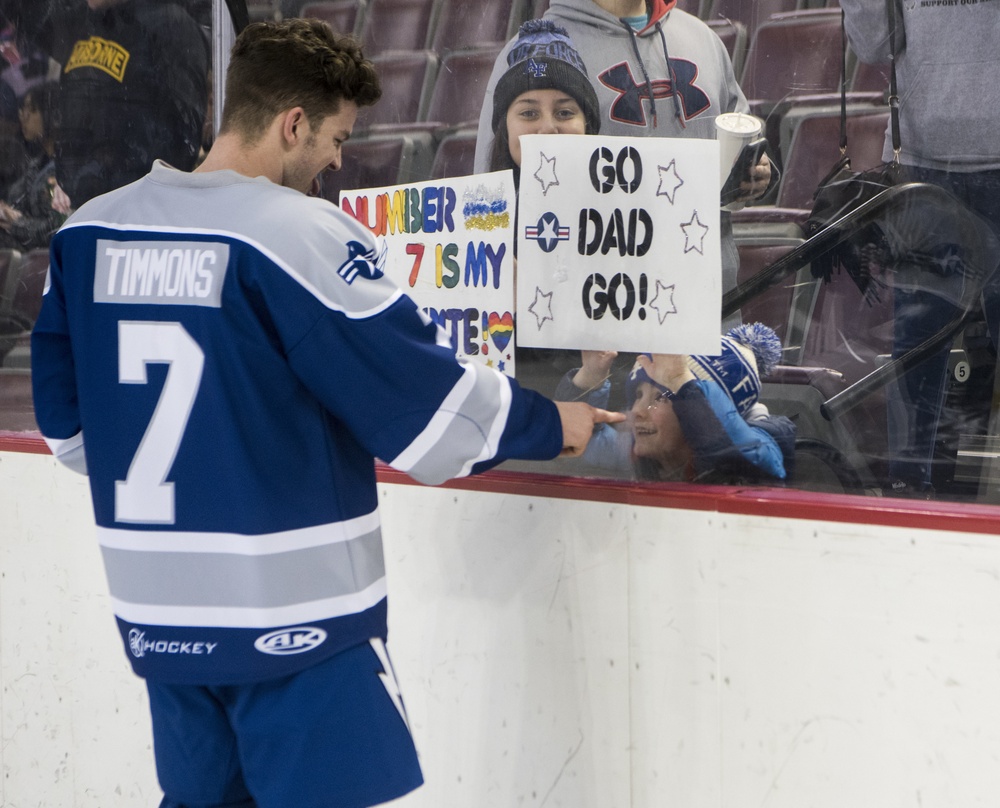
(658, 9)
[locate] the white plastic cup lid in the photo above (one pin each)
(738, 123)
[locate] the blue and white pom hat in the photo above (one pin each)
(543, 58)
(748, 352)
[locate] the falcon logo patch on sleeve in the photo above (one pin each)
(362, 261)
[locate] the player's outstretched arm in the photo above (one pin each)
(578, 422)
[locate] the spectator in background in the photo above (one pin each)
(656, 71)
(948, 83)
(20, 69)
(27, 219)
(134, 85)
(22, 66)
(545, 90)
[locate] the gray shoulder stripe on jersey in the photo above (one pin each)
(465, 430)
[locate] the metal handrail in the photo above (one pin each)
(811, 249)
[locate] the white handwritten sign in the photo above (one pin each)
(450, 247)
(619, 244)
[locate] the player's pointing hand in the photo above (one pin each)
(578, 422)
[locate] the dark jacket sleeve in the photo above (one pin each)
(32, 197)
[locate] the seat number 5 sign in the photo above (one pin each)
(144, 495)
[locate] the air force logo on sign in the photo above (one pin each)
(548, 232)
(287, 641)
(362, 261)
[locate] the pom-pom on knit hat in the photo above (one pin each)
(543, 58)
(748, 352)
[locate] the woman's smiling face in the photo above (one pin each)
(542, 112)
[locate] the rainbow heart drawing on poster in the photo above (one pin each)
(501, 329)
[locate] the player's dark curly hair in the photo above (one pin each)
(276, 66)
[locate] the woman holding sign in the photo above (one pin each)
(655, 71)
(545, 91)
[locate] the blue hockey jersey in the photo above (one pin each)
(235, 360)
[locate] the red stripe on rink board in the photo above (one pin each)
(785, 503)
(25, 442)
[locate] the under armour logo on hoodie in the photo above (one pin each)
(628, 107)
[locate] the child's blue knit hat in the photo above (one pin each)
(748, 352)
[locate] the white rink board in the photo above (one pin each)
(576, 654)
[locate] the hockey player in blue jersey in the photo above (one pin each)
(224, 358)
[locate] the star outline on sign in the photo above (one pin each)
(544, 315)
(670, 181)
(667, 306)
(689, 242)
(546, 173)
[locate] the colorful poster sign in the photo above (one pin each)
(619, 244)
(450, 247)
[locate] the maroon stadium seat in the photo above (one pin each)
(734, 36)
(455, 155)
(751, 13)
(342, 15)
(396, 25)
(695, 7)
(771, 307)
(385, 159)
(461, 84)
(460, 28)
(795, 54)
(810, 145)
(407, 80)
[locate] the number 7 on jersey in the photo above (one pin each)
(144, 495)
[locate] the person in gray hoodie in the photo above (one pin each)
(948, 77)
(657, 72)
(948, 85)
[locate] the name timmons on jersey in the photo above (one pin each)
(189, 273)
